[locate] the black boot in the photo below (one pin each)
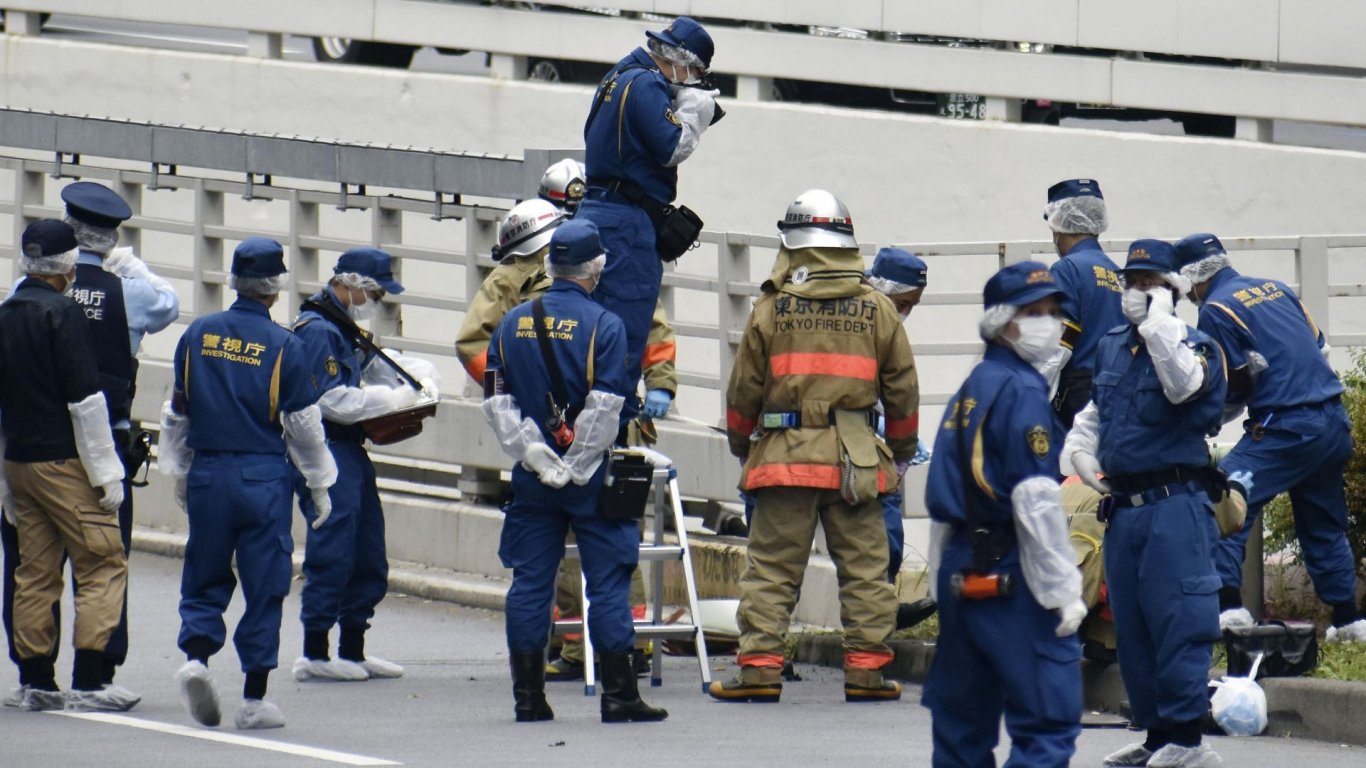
(621, 701)
(528, 687)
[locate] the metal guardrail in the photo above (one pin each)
(1269, 35)
(723, 268)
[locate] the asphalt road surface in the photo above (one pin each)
(454, 707)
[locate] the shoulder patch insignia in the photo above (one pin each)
(330, 365)
(1037, 437)
(671, 117)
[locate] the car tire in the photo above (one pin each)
(342, 50)
(549, 71)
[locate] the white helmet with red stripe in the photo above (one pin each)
(563, 184)
(817, 219)
(526, 229)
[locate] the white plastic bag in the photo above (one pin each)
(1239, 704)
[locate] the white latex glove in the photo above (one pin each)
(8, 504)
(113, 496)
(182, 494)
(695, 101)
(430, 391)
(1161, 305)
(542, 459)
(1070, 617)
(123, 262)
(405, 397)
(555, 477)
(1088, 469)
(323, 503)
(655, 458)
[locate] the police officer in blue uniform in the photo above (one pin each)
(1298, 436)
(242, 410)
(123, 300)
(346, 569)
(1159, 389)
(901, 276)
(558, 475)
(1090, 306)
(1000, 559)
(647, 118)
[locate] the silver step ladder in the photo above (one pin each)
(654, 550)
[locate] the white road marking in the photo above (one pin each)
(228, 738)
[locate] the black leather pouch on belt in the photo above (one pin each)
(676, 229)
(626, 488)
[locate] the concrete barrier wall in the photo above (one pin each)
(905, 178)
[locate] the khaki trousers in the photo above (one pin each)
(780, 537)
(57, 511)
(569, 602)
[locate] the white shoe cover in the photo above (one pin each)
(256, 714)
(337, 670)
(379, 669)
(111, 698)
(198, 693)
(38, 700)
(1236, 618)
(1176, 756)
(1352, 633)
(17, 696)
(1133, 756)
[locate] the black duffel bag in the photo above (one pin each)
(1288, 649)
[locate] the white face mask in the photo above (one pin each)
(362, 312)
(1135, 305)
(1039, 338)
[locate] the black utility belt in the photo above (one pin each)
(794, 420)
(676, 227)
(1130, 485)
(344, 433)
(1153, 495)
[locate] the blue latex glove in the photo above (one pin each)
(922, 455)
(1243, 479)
(656, 404)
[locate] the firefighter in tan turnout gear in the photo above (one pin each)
(821, 347)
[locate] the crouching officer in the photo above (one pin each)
(822, 346)
(556, 382)
(244, 398)
(1000, 561)
(1159, 389)
(346, 569)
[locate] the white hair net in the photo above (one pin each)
(675, 54)
(1077, 215)
(357, 281)
(890, 287)
(60, 264)
(588, 270)
(995, 320)
(92, 238)
(258, 286)
(1198, 272)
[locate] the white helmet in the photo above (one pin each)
(563, 184)
(526, 229)
(817, 219)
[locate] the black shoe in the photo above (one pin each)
(528, 687)
(790, 673)
(621, 702)
(910, 614)
(1097, 652)
(562, 669)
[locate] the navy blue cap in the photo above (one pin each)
(689, 35)
(899, 266)
(1193, 248)
(574, 242)
(95, 204)
(1074, 188)
(47, 237)
(258, 257)
(1020, 284)
(1151, 256)
(372, 263)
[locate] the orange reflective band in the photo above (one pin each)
(475, 367)
(824, 364)
(866, 659)
(899, 428)
(769, 660)
(738, 423)
(800, 476)
(659, 353)
(638, 612)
